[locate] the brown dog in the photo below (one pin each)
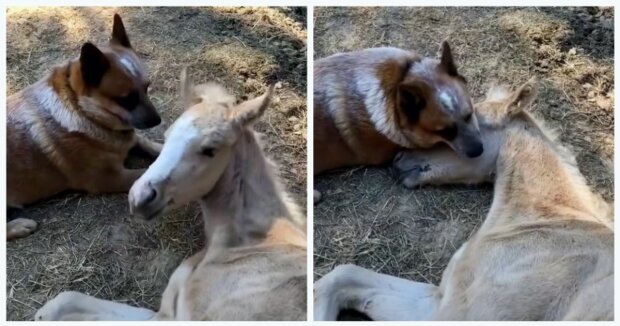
(370, 104)
(73, 129)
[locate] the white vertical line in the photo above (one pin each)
(616, 155)
(3, 146)
(310, 157)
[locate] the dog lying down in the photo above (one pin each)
(373, 103)
(73, 129)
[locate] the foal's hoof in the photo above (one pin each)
(19, 228)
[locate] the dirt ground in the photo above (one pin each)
(368, 219)
(91, 243)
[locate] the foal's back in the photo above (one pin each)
(548, 270)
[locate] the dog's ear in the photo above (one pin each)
(187, 90)
(523, 97)
(119, 35)
(410, 100)
(93, 64)
(251, 110)
(447, 61)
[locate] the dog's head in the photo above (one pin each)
(115, 84)
(433, 106)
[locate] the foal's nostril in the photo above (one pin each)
(151, 197)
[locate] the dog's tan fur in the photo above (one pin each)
(66, 134)
(370, 104)
(254, 266)
(544, 252)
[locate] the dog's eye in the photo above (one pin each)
(448, 133)
(128, 102)
(208, 151)
(468, 117)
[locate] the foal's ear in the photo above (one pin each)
(523, 97)
(249, 111)
(187, 90)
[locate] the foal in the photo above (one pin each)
(254, 266)
(544, 252)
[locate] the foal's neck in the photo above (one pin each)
(248, 197)
(540, 179)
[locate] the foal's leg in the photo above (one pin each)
(380, 296)
(71, 305)
(173, 305)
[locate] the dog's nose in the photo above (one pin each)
(475, 150)
(154, 121)
(150, 122)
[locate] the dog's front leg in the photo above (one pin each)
(118, 180)
(148, 146)
(379, 296)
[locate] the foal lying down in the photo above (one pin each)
(254, 265)
(544, 252)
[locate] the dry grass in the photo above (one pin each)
(367, 219)
(90, 243)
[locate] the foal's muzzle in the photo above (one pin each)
(145, 200)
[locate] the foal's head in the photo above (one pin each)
(501, 106)
(197, 149)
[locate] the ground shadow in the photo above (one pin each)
(592, 29)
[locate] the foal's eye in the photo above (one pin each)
(208, 151)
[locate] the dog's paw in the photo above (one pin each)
(19, 228)
(408, 168)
